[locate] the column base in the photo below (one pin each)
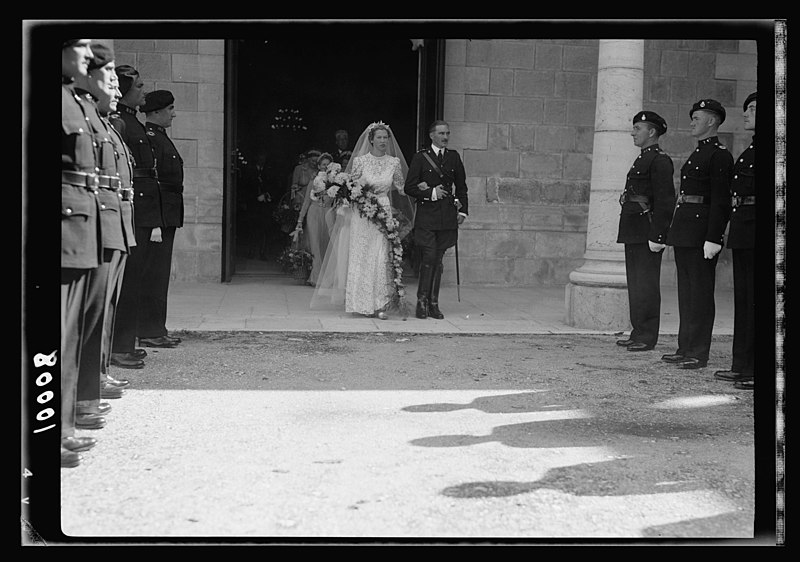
(596, 307)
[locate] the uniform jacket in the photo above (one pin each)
(742, 228)
(651, 177)
(146, 196)
(110, 215)
(441, 214)
(707, 172)
(81, 237)
(170, 174)
(125, 174)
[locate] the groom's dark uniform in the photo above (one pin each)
(436, 222)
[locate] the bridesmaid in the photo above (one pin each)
(317, 232)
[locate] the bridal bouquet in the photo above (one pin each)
(341, 187)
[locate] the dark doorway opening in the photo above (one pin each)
(293, 95)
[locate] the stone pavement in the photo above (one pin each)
(279, 303)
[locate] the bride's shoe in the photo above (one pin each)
(382, 316)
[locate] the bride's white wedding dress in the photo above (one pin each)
(370, 285)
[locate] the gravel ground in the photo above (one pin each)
(340, 437)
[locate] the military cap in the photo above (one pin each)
(127, 75)
(103, 54)
(157, 99)
(751, 97)
(709, 105)
(653, 118)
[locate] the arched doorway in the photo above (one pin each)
(290, 95)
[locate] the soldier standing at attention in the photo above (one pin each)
(149, 222)
(696, 233)
(81, 243)
(647, 204)
(741, 241)
(98, 88)
(159, 110)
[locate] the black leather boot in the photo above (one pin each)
(423, 290)
(433, 304)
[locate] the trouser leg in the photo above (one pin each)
(643, 270)
(743, 311)
(73, 300)
(155, 287)
(129, 304)
(696, 279)
(115, 288)
(97, 301)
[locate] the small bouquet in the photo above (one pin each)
(285, 214)
(297, 262)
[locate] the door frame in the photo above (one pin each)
(230, 162)
(430, 106)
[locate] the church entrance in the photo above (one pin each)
(292, 95)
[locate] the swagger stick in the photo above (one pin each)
(458, 277)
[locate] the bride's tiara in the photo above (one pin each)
(376, 124)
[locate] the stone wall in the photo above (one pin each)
(522, 112)
(194, 71)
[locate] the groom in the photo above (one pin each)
(437, 180)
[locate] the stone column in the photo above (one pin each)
(596, 296)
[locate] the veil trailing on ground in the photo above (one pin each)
(332, 281)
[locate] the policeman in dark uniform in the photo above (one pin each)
(159, 110)
(149, 222)
(99, 89)
(81, 243)
(696, 233)
(437, 180)
(647, 204)
(741, 241)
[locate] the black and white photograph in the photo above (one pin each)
(405, 282)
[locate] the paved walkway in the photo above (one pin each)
(279, 303)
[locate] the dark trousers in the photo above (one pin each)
(696, 277)
(73, 300)
(643, 272)
(743, 311)
(128, 305)
(155, 287)
(115, 288)
(98, 294)
(432, 244)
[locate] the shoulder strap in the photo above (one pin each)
(432, 163)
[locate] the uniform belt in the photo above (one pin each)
(145, 173)
(109, 182)
(171, 187)
(700, 199)
(81, 179)
(739, 200)
(634, 198)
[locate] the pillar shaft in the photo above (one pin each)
(597, 293)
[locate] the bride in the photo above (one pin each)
(357, 270)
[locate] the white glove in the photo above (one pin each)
(655, 246)
(710, 249)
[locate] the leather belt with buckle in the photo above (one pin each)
(81, 179)
(699, 199)
(109, 182)
(739, 200)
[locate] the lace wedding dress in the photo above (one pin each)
(370, 284)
